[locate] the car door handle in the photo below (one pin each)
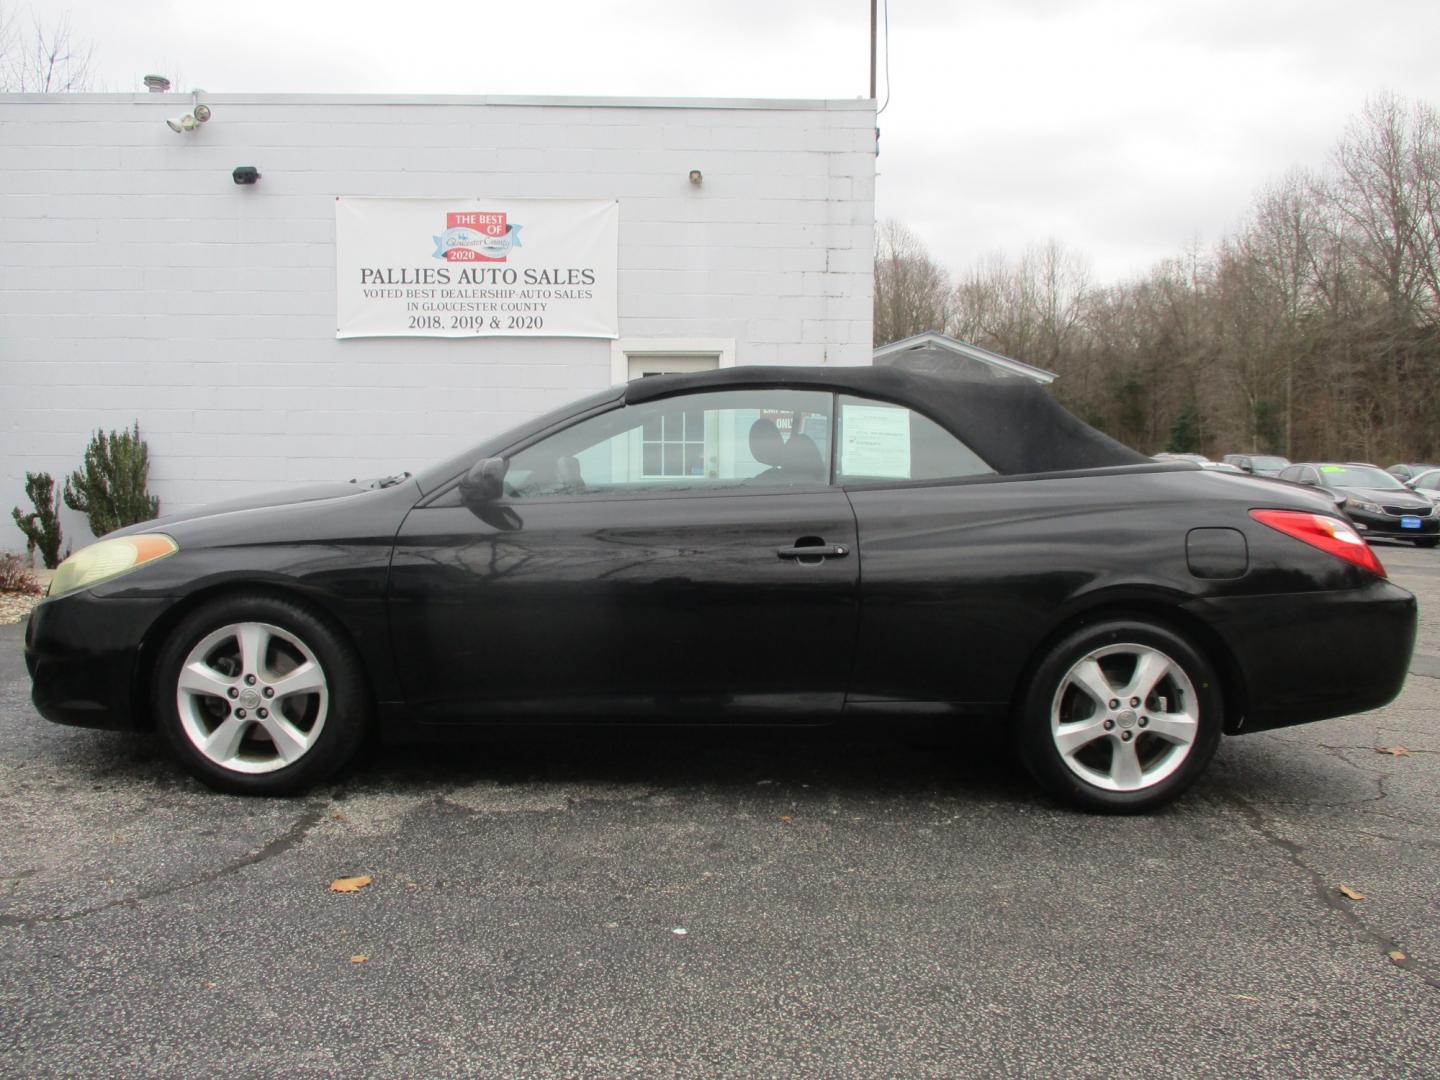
(814, 551)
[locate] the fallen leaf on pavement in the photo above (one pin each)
(1349, 893)
(349, 884)
(359, 958)
(1396, 955)
(1393, 751)
(784, 817)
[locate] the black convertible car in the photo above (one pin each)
(752, 544)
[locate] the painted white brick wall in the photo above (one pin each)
(137, 281)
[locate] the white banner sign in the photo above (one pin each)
(476, 267)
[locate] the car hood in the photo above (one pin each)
(1386, 497)
(254, 507)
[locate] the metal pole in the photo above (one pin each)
(872, 49)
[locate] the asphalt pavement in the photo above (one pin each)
(734, 903)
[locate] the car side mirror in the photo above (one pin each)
(485, 482)
(1245, 466)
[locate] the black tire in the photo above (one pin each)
(1428, 542)
(291, 637)
(1054, 703)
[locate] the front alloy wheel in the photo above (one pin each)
(252, 697)
(260, 696)
(1121, 717)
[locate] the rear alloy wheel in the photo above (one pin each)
(258, 696)
(1121, 717)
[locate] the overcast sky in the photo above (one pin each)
(1125, 129)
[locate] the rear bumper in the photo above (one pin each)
(84, 656)
(1310, 656)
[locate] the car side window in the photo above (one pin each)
(876, 440)
(698, 442)
(1292, 473)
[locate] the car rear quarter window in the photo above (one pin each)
(876, 440)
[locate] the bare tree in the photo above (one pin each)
(1030, 310)
(995, 306)
(1379, 194)
(1276, 257)
(1060, 285)
(1384, 178)
(912, 291)
(1425, 176)
(48, 60)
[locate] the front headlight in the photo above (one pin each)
(108, 559)
(1363, 506)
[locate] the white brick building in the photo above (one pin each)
(138, 281)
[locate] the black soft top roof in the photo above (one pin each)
(1013, 424)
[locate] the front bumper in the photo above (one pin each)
(1389, 526)
(1313, 655)
(85, 657)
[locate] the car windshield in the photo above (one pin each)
(1275, 464)
(1358, 476)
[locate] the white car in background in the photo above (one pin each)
(1426, 483)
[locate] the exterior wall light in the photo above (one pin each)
(696, 177)
(191, 120)
(245, 174)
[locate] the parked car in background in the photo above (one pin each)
(1167, 455)
(687, 549)
(1374, 499)
(1426, 483)
(1407, 472)
(1258, 464)
(1196, 459)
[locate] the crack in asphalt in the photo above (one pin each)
(287, 840)
(1325, 892)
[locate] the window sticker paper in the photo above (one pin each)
(876, 442)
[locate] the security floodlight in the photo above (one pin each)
(197, 115)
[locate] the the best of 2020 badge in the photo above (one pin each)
(476, 237)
